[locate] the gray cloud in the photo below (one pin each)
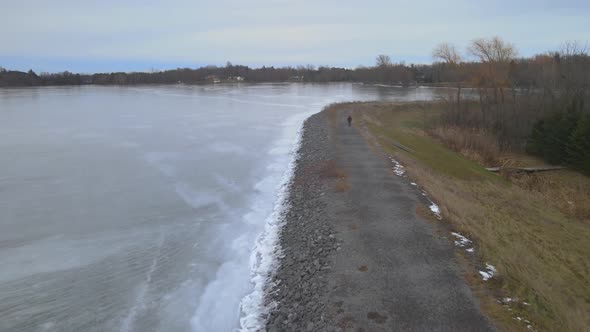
(277, 32)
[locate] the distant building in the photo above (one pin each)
(296, 78)
(235, 78)
(212, 79)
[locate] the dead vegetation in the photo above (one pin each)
(476, 144)
(330, 170)
(567, 190)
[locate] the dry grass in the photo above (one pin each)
(567, 190)
(332, 111)
(330, 170)
(342, 185)
(541, 251)
(475, 144)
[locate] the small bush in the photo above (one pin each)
(550, 136)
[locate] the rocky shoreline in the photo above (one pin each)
(299, 285)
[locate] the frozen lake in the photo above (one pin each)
(138, 208)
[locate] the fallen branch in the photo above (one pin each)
(397, 144)
(525, 169)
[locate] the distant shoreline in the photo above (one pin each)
(431, 85)
(393, 74)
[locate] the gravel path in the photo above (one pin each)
(356, 256)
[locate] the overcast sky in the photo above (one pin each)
(112, 35)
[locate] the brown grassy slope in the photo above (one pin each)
(567, 190)
(542, 254)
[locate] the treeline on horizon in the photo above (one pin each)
(388, 73)
(524, 72)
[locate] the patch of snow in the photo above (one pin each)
(461, 241)
(470, 250)
(491, 268)
(507, 299)
(484, 275)
(489, 273)
(434, 208)
(398, 169)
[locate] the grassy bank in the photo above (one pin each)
(539, 244)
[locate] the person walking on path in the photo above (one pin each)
(349, 120)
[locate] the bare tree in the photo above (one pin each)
(570, 60)
(573, 48)
(383, 61)
(496, 54)
(493, 50)
(448, 54)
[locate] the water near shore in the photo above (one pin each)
(138, 208)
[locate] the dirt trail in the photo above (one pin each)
(383, 268)
(392, 272)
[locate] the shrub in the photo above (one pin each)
(563, 138)
(578, 149)
(550, 136)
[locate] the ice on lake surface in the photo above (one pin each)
(137, 208)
